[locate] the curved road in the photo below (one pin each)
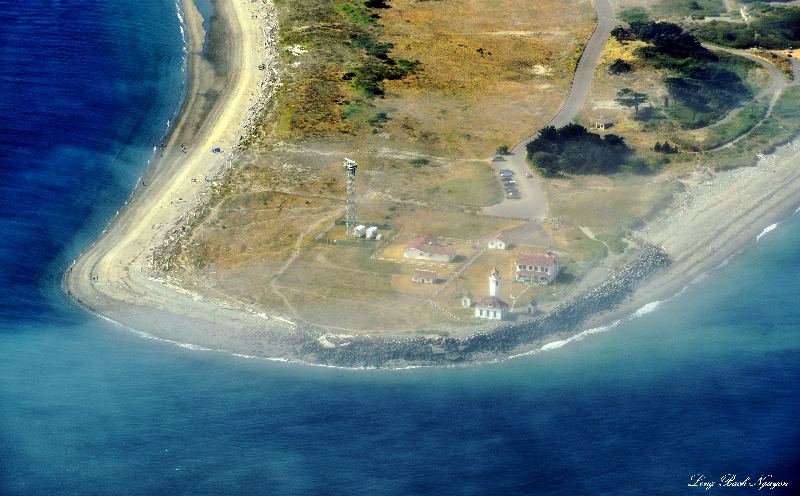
(532, 205)
(779, 82)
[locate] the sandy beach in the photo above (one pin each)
(718, 215)
(112, 278)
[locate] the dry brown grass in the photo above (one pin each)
(490, 72)
(503, 64)
(607, 202)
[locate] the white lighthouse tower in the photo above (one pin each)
(492, 307)
(494, 284)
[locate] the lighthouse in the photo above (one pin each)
(494, 284)
(492, 307)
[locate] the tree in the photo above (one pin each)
(547, 163)
(619, 66)
(622, 35)
(629, 98)
(502, 150)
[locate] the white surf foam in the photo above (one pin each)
(646, 309)
(766, 230)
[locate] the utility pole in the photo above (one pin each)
(350, 216)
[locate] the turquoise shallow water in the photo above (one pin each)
(707, 384)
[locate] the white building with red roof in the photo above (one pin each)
(492, 307)
(424, 276)
(427, 248)
(537, 268)
(498, 242)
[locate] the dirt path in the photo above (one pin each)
(296, 253)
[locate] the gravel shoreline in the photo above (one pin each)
(314, 345)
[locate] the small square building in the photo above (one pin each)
(498, 242)
(424, 276)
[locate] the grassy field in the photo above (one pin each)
(607, 204)
(423, 72)
(713, 137)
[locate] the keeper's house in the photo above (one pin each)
(537, 268)
(491, 308)
(427, 248)
(424, 276)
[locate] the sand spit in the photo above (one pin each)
(113, 276)
(718, 215)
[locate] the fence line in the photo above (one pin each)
(381, 248)
(454, 240)
(442, 309)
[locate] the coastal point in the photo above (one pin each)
(480, 150)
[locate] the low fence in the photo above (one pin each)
(385, 227)
(358, 244)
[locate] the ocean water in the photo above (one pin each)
(706, 384)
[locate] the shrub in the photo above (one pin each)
(619, 66)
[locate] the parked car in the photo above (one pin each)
(528, 174)
(498, 158)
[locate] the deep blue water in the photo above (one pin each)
(708, 383)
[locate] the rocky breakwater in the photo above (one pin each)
(353, 351)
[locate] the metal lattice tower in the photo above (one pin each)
(350, 167)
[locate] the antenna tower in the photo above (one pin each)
(350, 220)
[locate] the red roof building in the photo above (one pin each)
(491, 308)
(537, 268)
(498, 242)
(427, 248)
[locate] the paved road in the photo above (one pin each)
(532, 205)
(778, 79)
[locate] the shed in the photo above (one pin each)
(359, 231)
(372, 232)
(602, 123)
(467, 300)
